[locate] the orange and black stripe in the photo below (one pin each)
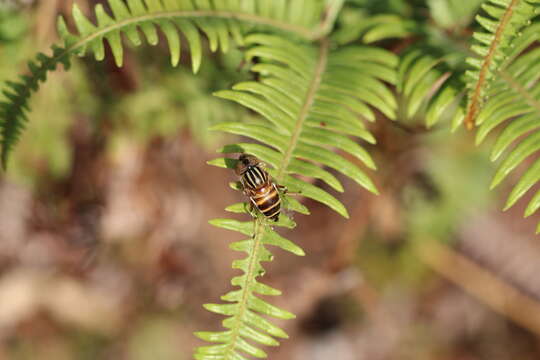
(268, 202)
(262, 191)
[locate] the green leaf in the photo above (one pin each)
(533, 206)
(528, 146)
(312, 100)
(503, 24)
(243, 308)
(313, 192)
(271, 113)
(258, 132)
(512, 132)
(223, 163)
(513, 101)
(428, 88)
(321, 137)
(218, 20)
(259, 337)
(528, 179)
(245, 227)
(273, 238)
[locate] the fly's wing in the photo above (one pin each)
(244, 187)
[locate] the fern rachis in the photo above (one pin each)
(506, 19)
(218, 22)
(294, 138)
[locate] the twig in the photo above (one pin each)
(482, 284)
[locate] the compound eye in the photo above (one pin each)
(242, 157)
(244, 162)
(251, 160)
(240, 168)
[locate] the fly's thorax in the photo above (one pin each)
(254, 177)
(245, 162)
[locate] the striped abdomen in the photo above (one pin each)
(262, 192)
(267, 200)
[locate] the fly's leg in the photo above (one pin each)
(237, 185)
(285, 199)
(251, 210)
(284, 190)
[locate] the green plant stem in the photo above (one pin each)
(476, 98)
(52, 61)
(259, 230)
(514, 84)
(298, 30)
(308, 101)
(330, 17)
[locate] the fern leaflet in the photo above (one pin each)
(219, 21)
(313, 99)
(244, 308)
(514, 98)
(428, 88)
(505, 21)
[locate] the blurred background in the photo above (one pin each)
(106, 251)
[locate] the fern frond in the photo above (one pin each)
(386, 26)
(244, 323)
(514, 98)
(428, 89)
(313, 99)
(374, 28)
(453, 14)
(17, 95)
(219, 21)
(504, 22)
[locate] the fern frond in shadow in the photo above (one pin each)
(220, 22)
(429, 89)
(453, 15)
(374, 28)
(514, 98)
(504, 22)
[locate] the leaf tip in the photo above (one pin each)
(496, 181)
(200, 334)
(220, 94)
(508, 205)
(195, 64)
